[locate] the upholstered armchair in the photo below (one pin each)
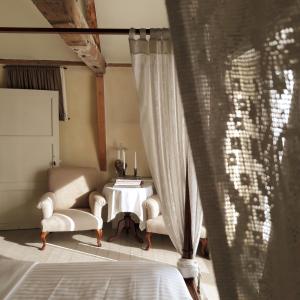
(72, 203)
(155, 224)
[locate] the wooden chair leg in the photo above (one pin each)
(148, 241)
(204, 248)
(99, 234)
(43, 239)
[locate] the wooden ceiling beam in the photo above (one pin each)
(67, 14)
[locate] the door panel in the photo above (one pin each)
(28, 145)
(17, 163)
(29, 112)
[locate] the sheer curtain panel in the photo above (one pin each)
(239, 79)
(165, 137)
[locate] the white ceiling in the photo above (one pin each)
(29, 46)
(127, 14)
(110, 14)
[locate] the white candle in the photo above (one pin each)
(119, 154)
(135, 162)
(124, 161)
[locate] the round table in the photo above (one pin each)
(128, 200)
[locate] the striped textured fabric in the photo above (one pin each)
(101, 280)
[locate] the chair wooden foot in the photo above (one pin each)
(204, 248)
(148, 241)
(43, 239)
(99, 234)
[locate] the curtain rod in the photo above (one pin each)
(26, 62)
(52, 30)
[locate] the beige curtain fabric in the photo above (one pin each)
(238, 70)
(164, 132)
(39, 78)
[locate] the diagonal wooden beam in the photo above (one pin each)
(67, 14)
(91, 18)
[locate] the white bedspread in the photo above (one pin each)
(11, 272)
(93, 280)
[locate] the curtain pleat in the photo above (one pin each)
(238, 70)
(39, 78)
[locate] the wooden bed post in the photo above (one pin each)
(187, 251)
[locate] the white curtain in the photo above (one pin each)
(164, 132)
(238, 63)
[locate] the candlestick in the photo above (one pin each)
(124, 160)
(135, 161)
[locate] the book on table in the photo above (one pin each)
(128, 182)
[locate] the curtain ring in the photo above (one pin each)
(155, 33)
(165, 33)
(143, 33)
(131, 33)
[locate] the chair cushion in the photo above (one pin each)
(72, 186)
(156, 225)
(71, 220)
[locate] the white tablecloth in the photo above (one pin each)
(127, 199)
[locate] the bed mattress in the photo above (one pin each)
(91, 280)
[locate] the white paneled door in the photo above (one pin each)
(29, 144)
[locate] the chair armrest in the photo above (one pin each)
(203, 233)
(152, 205)
(46, 204)
(96, 202)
